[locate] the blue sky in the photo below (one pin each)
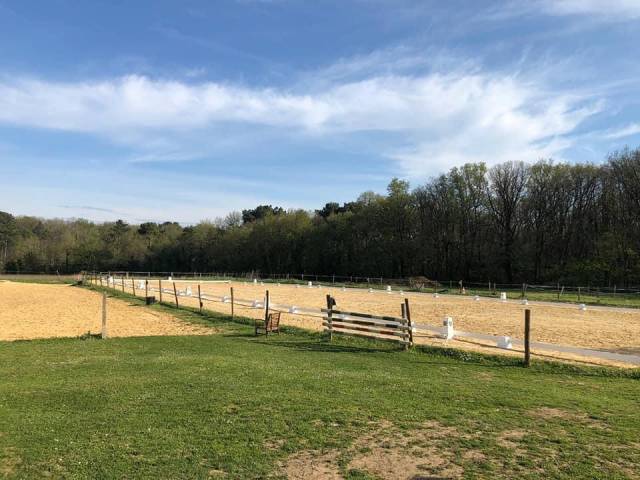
(187, 110)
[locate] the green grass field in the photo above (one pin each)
(233, 405)
(39, 278)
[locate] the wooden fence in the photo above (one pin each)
(359, 324)
(399, 329)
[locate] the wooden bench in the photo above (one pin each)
(271, 325)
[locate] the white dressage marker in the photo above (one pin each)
(447, 328)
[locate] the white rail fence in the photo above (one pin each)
(354, 323)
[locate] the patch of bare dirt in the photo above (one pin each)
(547, 413)
(474, 456)
(394, 464)
(9, 461)
(312, 465)
(213, 473)
(386, 452)
(510, 439)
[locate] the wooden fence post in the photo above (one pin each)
(199, 299)
(266, 312)
(146, 288)
(175, 292)
(330, 316)
(133, 285)
(403, 314)
(122, 283)
(527, 335)
(231, 302)
(100, 280)
(407, 311)
(104, 314)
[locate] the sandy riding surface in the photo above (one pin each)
(29, 310)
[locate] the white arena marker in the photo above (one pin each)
(188, 291)
(476, 298)
(389, 288)
(435, 295)
(371, 290)
(170, 279)
(255, 281)
(447, 328)
(503, 296)
(293, 309)
(401, 292)
(344, 289)
(582, 307)
(310, 284)
(505, 342)
(525, 301)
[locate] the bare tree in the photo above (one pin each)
(506, 189)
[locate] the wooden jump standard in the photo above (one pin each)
(380, 327)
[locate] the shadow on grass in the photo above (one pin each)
(322, 346)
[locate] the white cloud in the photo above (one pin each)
(594, 11)
(441, 119)
(628, 131)
(624, 9)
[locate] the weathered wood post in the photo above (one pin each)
(146, 288)
(175, 293)
(403, 315)
(199, 299)
(266, 312)
(527, 335)
(133, 285)
(407, 311)
(330, 316)
(104, 315)
(160, 289)
(232, 302)
(122, 277)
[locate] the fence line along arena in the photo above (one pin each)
(559, 330)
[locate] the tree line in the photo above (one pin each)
(514, 222)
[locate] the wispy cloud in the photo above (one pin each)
(619, 9)
(628, 131)
(595, 10)
(439, 117)
(91, 209)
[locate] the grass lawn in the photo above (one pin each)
(236, 406)
(39, 278)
